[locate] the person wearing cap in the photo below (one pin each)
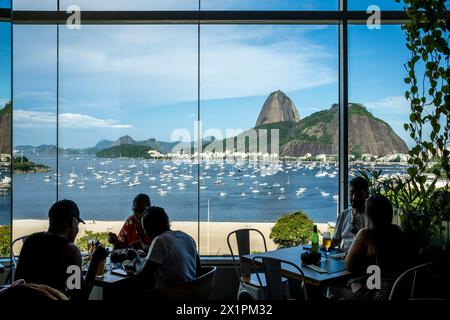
(132, 234)
(46, 256)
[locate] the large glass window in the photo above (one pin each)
(378, 108)
(125, 92)
(5, 4)
(122, 109)
(35, 116)
(5, 138)
(257, 79)
(44, 5)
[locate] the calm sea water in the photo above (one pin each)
(104, 189)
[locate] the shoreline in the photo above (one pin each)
(216, 245)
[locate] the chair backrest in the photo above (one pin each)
(409, 280)
(20, 239)
(198, 289)
(11, 275)
(274, 280)
(243, 247)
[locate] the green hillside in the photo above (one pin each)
(126, 151)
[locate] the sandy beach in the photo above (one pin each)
(215, 244)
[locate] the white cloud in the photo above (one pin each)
(31, 119)
(156, 65)
(390, 105)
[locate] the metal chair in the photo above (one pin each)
(276, 286)
(249, 285)
(12, 268)
(398, 289)
(198, 289)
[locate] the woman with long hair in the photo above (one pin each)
(381, 243)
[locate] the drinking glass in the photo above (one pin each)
(326, 240)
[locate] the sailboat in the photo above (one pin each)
(203, 186)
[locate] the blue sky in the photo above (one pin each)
(142, 80)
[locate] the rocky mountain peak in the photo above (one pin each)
(278, 107)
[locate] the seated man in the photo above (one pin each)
(46, 256)
(132, 234)
(172, 257)
(351, 220)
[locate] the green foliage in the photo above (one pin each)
(285, 129)
(23, 164)
(359, 109)
(21, 159)
(292, 229)
(126, 151)
(356, 151)
(90, 235)
(437, 170)
(396, 159)
(427, 38)
(5, 241)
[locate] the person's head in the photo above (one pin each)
(155, 221)
(379, 212)
(359, 191)
(140, 203)
(64, 217)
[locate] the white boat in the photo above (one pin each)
(336, 197)
(321, 174)
(281, 197)
(81, 187)
(255, 191)
(301, 190)
(242, 194)
(324, 194)
(222, 194)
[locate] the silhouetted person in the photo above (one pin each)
(351, 220)
(172, 257)
(381, 243)
(132, 234)
(46, 256)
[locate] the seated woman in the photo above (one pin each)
(132, 234)
(380, 243)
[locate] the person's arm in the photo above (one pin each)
(357, 252)
(337, 233)
(74, 258)
(120, 241)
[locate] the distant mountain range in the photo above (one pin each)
(315, 134)
(150, 144)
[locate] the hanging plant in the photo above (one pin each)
(428, 77)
